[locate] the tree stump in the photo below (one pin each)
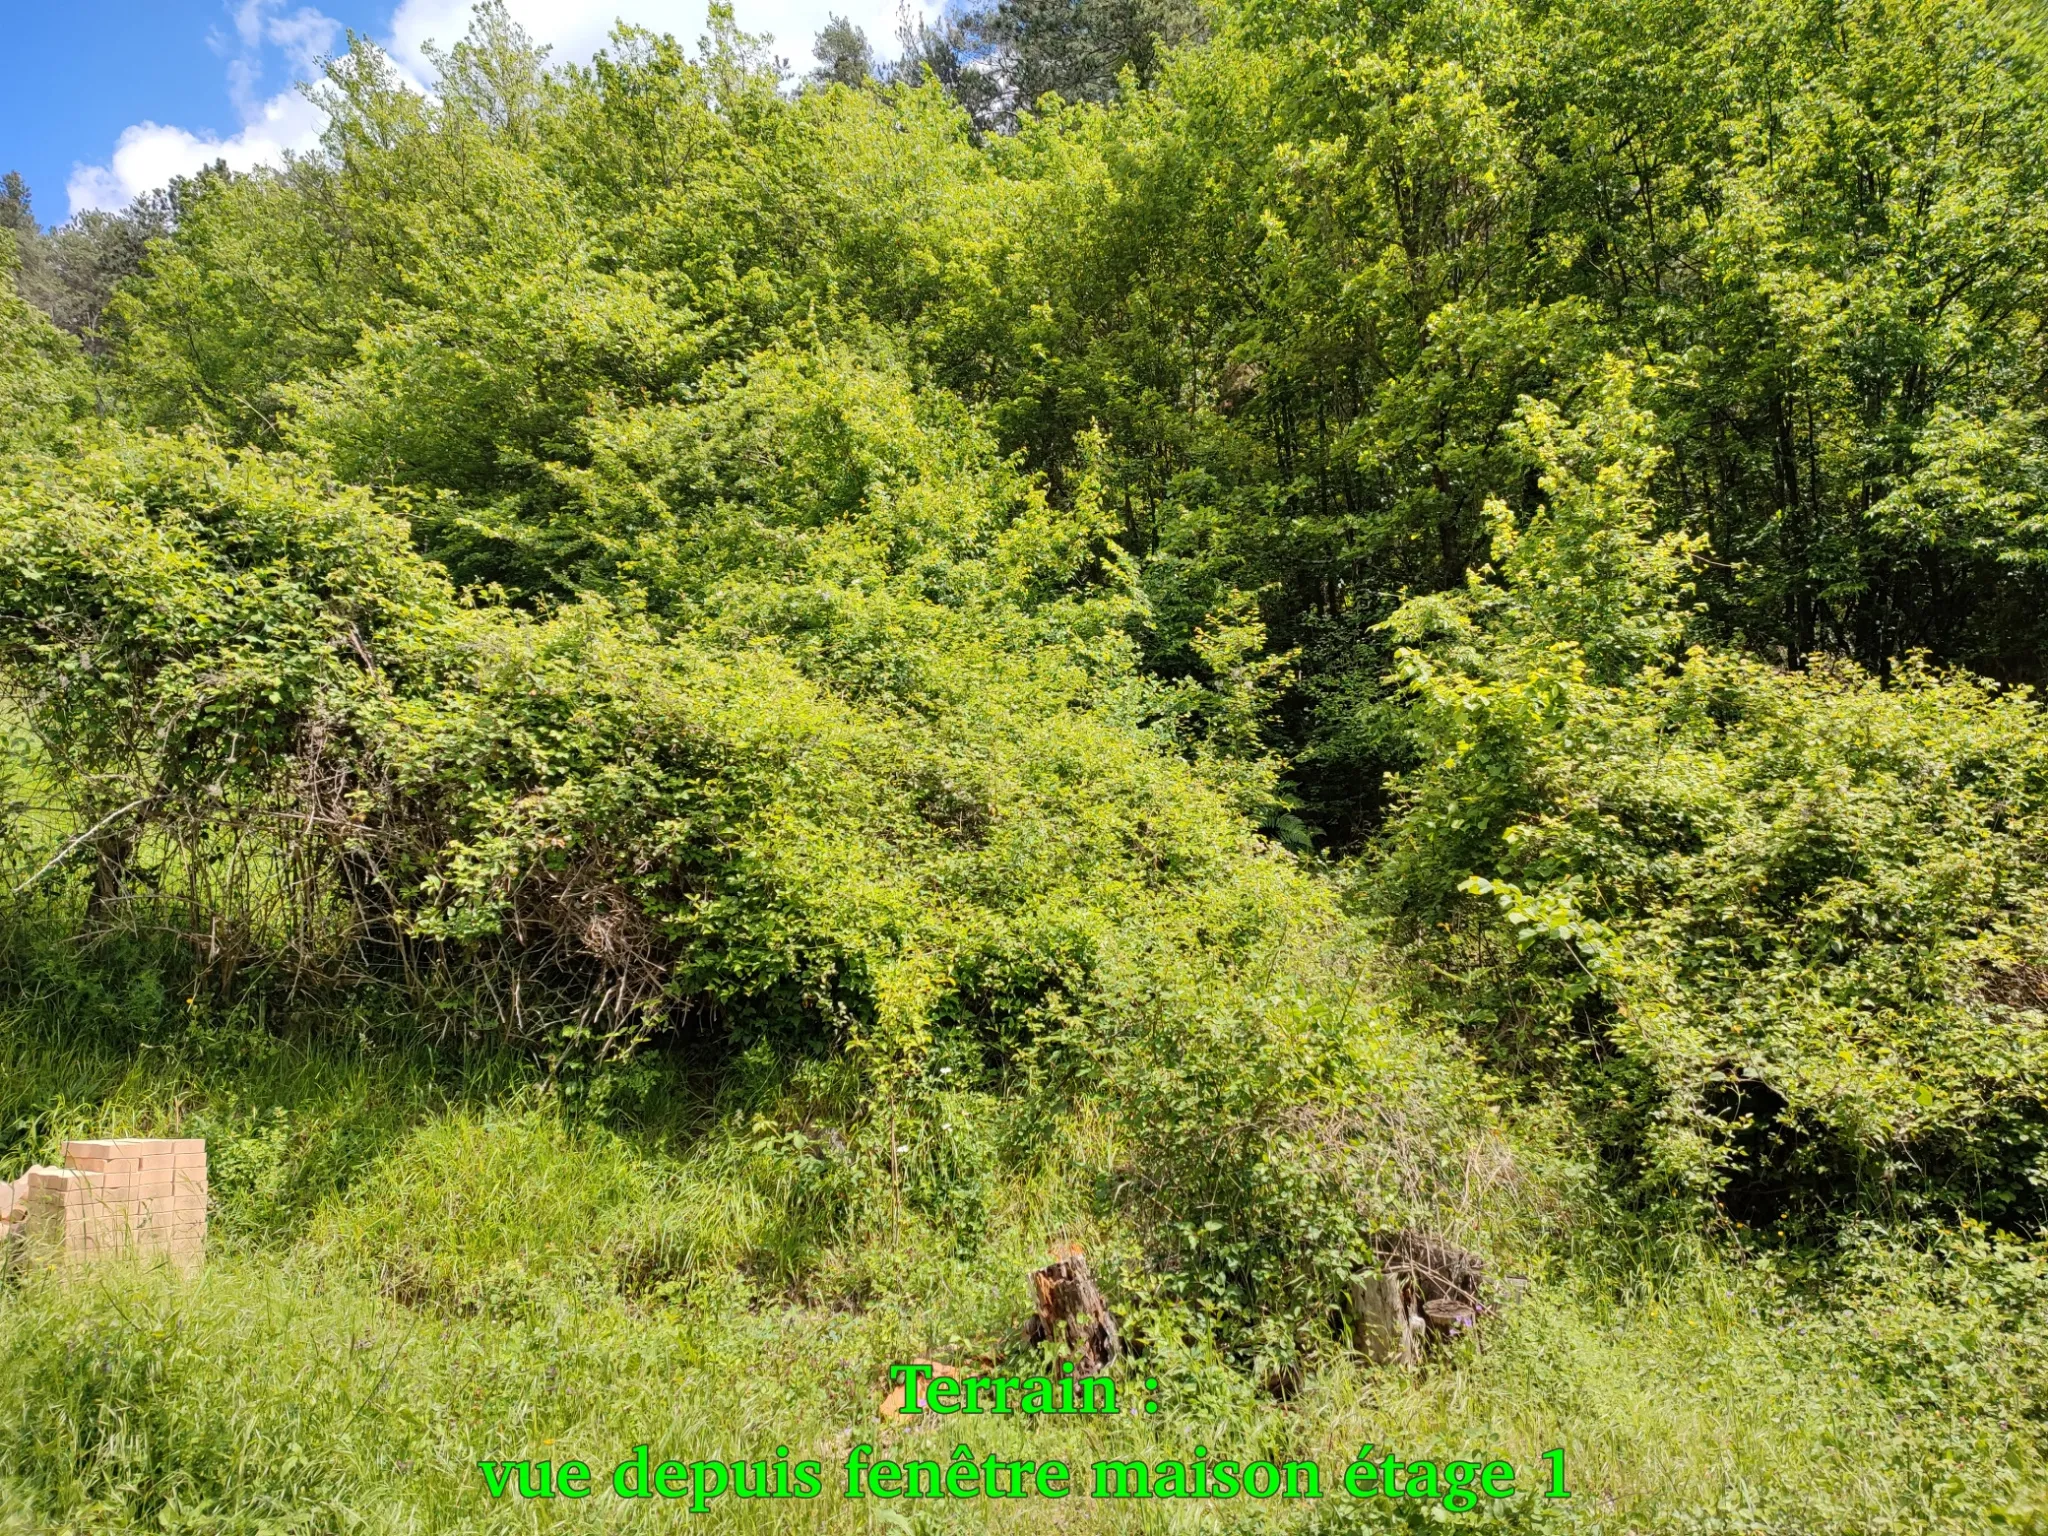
(1450, 1317)
(1424, 1285)
(1432, 1269)
(1071, 1314)
(1383, 1329)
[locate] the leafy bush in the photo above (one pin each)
(1781, 929)
(901, 796)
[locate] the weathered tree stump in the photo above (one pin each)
(1450, 1317)
(1424, 1286)
(1071, 1314)
(1382, 1327)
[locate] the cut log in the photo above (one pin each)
(1431, 1269)
(1071, 1314)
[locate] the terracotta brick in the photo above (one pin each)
(100, 1167)
(131, 1195)
(120, 1146)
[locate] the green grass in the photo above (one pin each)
(418, 1267)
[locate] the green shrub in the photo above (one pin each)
(1781, 930)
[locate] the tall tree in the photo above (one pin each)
(843, 53)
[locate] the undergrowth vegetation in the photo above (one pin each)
(692, 721)
(417, 1264)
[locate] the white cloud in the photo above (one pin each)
(575, 29)
(306, 35)
(147, 155)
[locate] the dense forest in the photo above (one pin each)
(689, 709)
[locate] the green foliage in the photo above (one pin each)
(1945, 1324)
(183, 612)
(823, 642)
(1782, 929)
(1276, 1126)
(841, 771)
(1303, 285)
(71, 272)
(43, 386)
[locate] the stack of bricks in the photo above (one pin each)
(130, 1196)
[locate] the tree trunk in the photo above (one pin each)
(112, 850)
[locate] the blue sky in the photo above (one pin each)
(107, 98)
